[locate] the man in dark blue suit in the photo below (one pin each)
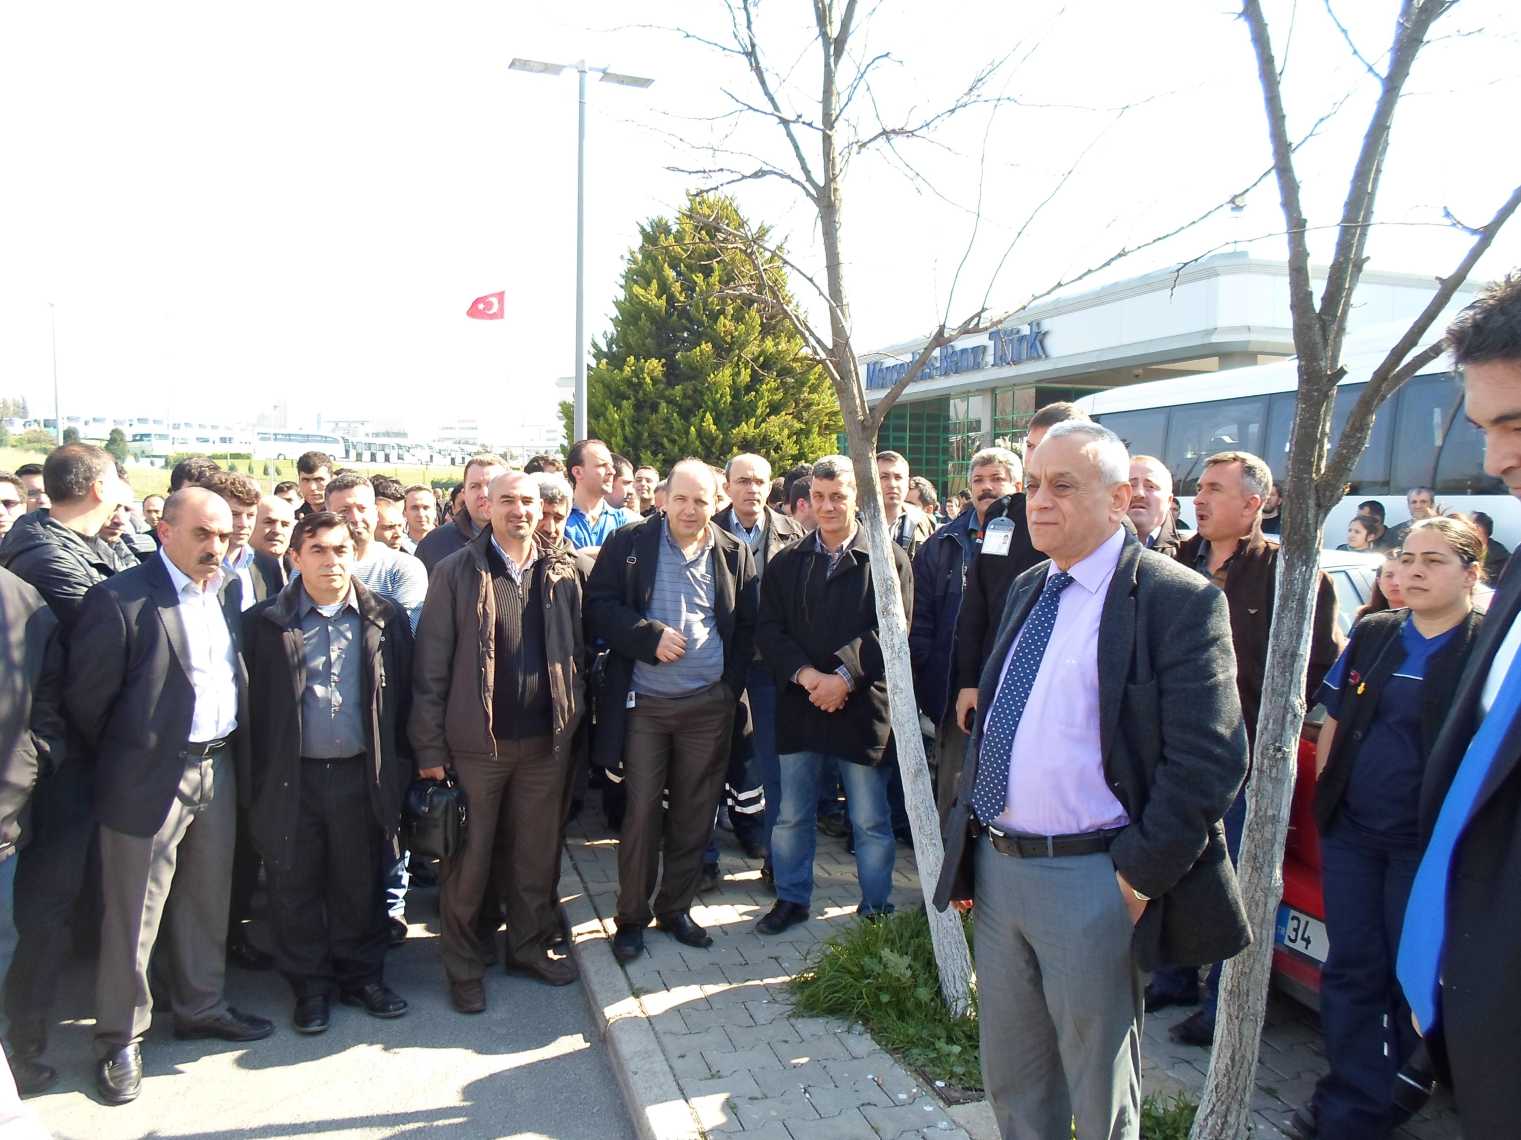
(157, 692)
(1462, 937)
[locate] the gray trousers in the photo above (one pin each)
(676, 753)
(192, 853)
(1059, 997)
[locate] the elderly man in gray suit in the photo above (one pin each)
(1086, 824)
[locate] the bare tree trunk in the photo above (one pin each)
(952, 954)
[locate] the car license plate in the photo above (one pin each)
(1299, 932)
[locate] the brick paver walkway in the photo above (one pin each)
(722, 1018)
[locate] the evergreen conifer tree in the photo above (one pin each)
(692, 366)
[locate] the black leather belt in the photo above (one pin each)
(200, 749)
(1049, 846)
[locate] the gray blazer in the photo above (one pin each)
(1174, 750)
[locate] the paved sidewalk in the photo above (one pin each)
(704, 1040)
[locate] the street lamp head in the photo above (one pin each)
(539, 67)
(626, 80)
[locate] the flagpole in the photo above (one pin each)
(57, 405)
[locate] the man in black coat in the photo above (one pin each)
(674, 598)
(57, 551)
(330, 675)
(31, 747)
(1462, 935)
(158, 694)
(1086, 826)
(818, 634)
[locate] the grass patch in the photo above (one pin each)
(883, 975)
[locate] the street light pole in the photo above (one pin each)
(539, 67)
(57, 406)
(580, 406)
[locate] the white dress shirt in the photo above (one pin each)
(1500, 666)
(213, 671)
(241, 568)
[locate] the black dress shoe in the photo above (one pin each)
(119, 1076)
(468, 996)
(681, 927)
(753, 848)
(1195, 1029)
(32, 1076)
(711, 876)
(1159, 999)
(834, 825)
(783, 915)
(375, 999)
(244, 954)
(628, 943)
(312, 1014)
(552, 971)
(396, 932)
(229, 1025)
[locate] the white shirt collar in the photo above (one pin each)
(181, 579)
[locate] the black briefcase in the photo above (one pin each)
(434, 818)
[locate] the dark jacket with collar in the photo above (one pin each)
(1174, 754)
(31, 716)
(1477, 1046)
(1250, 581)
(275, 654)
(57, 562)
(454, 662)
(1168, 538)
(442, 541)
(618, 598)
(988, 579)
(812, 616)
(129, 695)
(781, 531)
(268, 576)
(1374, 654)
(940, 573)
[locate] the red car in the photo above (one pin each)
(1299, 940)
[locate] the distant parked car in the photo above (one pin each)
(1299, 939)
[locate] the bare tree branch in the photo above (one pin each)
(1346, 35)
(1416, 18)
(1395, 369)
(749, 48)
(940, 338)
(729, 176)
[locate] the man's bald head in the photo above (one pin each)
(515, 507)
(194, 532)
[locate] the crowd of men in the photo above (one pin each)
(252, 680)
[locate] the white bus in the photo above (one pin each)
(1420, 437)
(293, 444)
(188, 439)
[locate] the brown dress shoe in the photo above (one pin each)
(468, 997)
(554, 971)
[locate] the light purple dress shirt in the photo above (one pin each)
(1056, 769)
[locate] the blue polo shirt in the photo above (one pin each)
(1383, 796)
(582, 532)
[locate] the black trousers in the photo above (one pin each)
(50, 874)
(245, 879)
(327, 913)
(676, 752)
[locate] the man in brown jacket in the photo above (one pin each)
(498, 691)
(1229, 549)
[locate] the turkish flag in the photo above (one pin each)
(487, 308)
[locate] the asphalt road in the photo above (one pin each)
(530, 1066)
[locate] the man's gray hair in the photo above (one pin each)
(761, 459)
(1256, 475)
(1108, 449)
(553, 487)
(833, 467)
(1001, 457)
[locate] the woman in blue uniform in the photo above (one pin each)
(1385, 700)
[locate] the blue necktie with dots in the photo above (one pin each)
(991, 791)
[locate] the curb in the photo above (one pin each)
(650, 1089)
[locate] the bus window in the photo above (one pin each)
(1370, 474)
(1143, 432)
(1425, 407)
(1197, 431)
(1280, 426)
(1460, 467)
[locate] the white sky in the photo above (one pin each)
(231, 203)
